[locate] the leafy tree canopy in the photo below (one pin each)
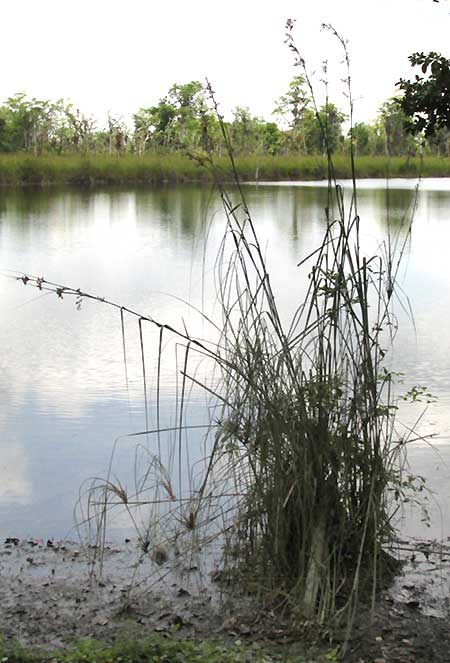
(292, 105)
(426, 99)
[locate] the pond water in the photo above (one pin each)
(65, 396)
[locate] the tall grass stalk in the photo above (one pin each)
(310, 421)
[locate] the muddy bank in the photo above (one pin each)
(52, 592)
(411, 621)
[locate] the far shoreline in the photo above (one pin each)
(82, 171)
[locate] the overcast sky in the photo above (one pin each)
(120, 55)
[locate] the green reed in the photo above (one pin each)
(24, 169)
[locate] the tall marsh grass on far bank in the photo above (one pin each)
(24, 169)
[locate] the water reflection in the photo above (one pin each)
(15, 488)
(64, 394)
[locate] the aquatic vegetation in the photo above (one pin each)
(23, 169)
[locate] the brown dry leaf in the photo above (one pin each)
(230, 624)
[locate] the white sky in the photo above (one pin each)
(120, 55)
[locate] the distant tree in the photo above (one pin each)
(253, 134)
(395, 125)
(245, 130)
(151, 125)
(291, 109)
(291, 106)
(438, 143)
(24, 122)
(322, 130)
(189, 102)
(272, 137)
(426, 99)
(10, 135)
(360, 134)
(175, 120)
(30, 124)
(117, 135)
(377, 137)
(40, 125)
(308, 130)
(187, 96)
(81, 129)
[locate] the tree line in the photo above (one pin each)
(183, 119)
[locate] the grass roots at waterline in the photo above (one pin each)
(301, 445)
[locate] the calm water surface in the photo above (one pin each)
(62, 383)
